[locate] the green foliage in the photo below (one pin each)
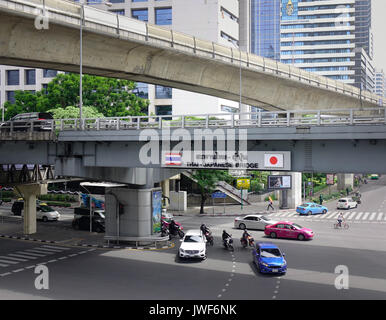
(72, 112)
(110, 97)
(58, 198)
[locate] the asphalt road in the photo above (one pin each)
(76, 273)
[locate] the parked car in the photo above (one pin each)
(374, 177)
(43, 211)
(193, 245)
(253, 221)
(41, 121)
(269, 259)
(289, 230)
(346, 203)
(83, 223)
(310, 208)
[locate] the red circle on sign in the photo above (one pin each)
(273, 160)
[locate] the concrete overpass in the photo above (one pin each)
(120, 47)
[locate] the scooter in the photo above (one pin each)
(249, 241)
(228, 243)
(209, 238)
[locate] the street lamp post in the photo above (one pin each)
(240, 92)
(81, 2)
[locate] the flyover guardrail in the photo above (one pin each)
(261, 119)
(70, 13)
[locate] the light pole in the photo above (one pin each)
(238, 48)
(90, 214)
(81, 2)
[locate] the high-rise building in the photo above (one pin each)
(319, 36)
(380, 83)
(265, 28)
(13, 79)
(212, 20)
(363, 33)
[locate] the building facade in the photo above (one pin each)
(363, 32)
(13, 79)
(212, 20)
(380, 83)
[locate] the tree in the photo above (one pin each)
(111, 97)
(207, 180)
(72, 112)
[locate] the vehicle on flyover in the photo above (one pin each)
(288, 230)
(253, 221)
(374, 177)
(346, 203)
(193, 245)
(34, 121)
(269, 259)
(310, 208)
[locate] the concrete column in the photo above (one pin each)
(29, 193)
(165, 185)
(345, 181)
(294, 195)
(135, 220)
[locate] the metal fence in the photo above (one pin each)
(344, 117)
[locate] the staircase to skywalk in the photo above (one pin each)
(226, 188)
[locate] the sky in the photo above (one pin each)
(379, 30)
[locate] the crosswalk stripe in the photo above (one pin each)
(7, 261)
(3, 265)
(292, 214)
(55, 247)
(351, 215)
(13, 259)
(329, 215)
(372, 216)
(285, 214)
(48, 250)
(21, 256)
(32, 254)
(323, 216)
(380, 216)
(39, 251)
(359, 216)
(366, 215)
(335, 215)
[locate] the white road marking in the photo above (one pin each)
(3, 265)
(55, 247)
(372, 216)
(13, 259)
(328, 215)
(352, 214)
(8, 261)
(31, 254)
(21, 256)
(366, 215)
(380, 216)
(359, 216)
(335, 215)
(39, 251)
(49, 250)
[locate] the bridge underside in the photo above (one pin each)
(104, 55)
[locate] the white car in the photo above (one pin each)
(46, 213)
(346, 203)
(193, 245)
(253, 221)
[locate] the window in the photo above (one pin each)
(118, 11)
(30, 77)
(164, 111)
(163, 16)
(142, 90)
(138, 0)
(13, 78)
(47, 73)
(140, 14)
(117, 1)
(11, 96)
(229, 109)
(45, 86)
(163, 92)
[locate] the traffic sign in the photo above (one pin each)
(219, 195)
(243, 183)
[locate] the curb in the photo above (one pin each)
(27, 239)
(99, 246)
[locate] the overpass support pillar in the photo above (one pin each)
(165, 185)
(134, 219)
(29, 192)
(345, 181)
(294, 195)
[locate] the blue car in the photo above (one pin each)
(269, 259)
(309, 208)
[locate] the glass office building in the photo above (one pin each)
(265, 28)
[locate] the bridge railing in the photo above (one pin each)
(372, 116)
(101, 21)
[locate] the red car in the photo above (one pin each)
(290, 230)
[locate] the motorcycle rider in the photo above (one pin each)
(204, 229)
(225, 235)
(245, 236)
(173, 227)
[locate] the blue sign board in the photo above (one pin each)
(219, 195)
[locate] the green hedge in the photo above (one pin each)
(59, 198)
(58, 203)
(6, 199)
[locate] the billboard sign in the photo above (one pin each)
(243, 183)
(279, 182)
(156, 211)
(330, 179)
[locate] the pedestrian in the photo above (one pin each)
(320, 199)
(347, 191)
(270, 204)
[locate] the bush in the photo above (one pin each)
(6, 199)
(58, 203)
(58, 197)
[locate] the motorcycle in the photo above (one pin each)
(228, 243)
(249, 241)
(165, 231)
(177, 231)
(209, 237)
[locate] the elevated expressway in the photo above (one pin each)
(120, 47)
